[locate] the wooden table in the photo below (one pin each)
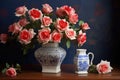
(67, 73)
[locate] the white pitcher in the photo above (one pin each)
(82, 62)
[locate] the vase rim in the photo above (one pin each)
(81, 49)
(50, 44)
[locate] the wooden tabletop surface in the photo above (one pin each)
(67, 73)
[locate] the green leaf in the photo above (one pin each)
(68, 43)
(18, 66)
(73, 26)
(24, 51)
(7, 65)
(81, 22)
(4, 70)
(92, 69)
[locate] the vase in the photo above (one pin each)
(50, 56)
(82, 62)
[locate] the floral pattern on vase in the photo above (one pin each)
(83, 66)
(50, 56)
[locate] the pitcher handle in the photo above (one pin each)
(91, 61)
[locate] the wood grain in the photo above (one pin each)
(33, 72)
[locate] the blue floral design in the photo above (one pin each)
(83, 65)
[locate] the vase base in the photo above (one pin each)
(51, 69)
(81, 72)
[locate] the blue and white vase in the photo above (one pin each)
(50, 56)
(81, 61)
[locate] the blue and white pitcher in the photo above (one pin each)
(82, 62)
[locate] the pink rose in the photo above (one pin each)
(81, 38)
(25, 36)
(35, 14)
(70, 33)
(46, 21)
(11, 72)
(60, 12)
(44, 35)
(65, 10)
(3, 38)
(73, 18)
(56, 36)
(47, 9)
(62, 25)
(85, 26)
(15, 28)
(20, 11)
(104, 67)
(68, 9)
(23, 22)
(32, 33)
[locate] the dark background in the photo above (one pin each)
(103, 39)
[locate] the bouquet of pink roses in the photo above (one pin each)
(44, 26)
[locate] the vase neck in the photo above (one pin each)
(50, 45)
(81, 51)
